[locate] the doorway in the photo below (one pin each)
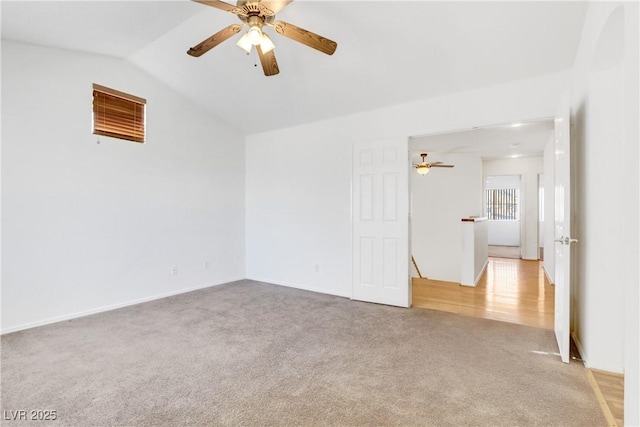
(511, 289)
(502, 202)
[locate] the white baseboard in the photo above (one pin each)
(477, 279)
(484, 267)
(301, 287)
(76, 315)
(547, 275)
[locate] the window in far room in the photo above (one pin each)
(502, 204)
(502, 198)
(118, 114)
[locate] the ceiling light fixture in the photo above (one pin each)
(255, 37)
(245, 43)
(266, 44)
(516, 125)
(422, 168)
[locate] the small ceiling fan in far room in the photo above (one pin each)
(257, 14)
(423, 167)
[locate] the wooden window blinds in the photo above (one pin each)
(118, 114)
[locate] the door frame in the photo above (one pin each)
(540, 240)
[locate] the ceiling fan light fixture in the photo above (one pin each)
(255, 14)
(422, 169)
(266, 44)
(245, 43)
(255, 35)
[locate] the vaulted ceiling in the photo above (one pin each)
(389, 52)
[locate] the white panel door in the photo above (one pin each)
(380, 200)
(562, 234)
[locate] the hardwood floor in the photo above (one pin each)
(515, 291)
(510, 290)
(609, 389)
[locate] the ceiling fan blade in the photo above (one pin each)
(275, 5)
(214, 40)
(268, 61)
(441, 166)
(220, 5)
(305, 37)
(435, 163)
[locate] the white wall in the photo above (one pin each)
(439, 200)
(504, 233)
(299, 210)
(88, 226)
(528, 168)
(475, 251)
(605, 138)
(631, 245)
(299, 178)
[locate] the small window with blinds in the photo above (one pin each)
(502, 204)
(118, 114)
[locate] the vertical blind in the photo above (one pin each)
(502, 204)
(118, 114)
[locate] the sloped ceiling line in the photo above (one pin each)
(454, 46)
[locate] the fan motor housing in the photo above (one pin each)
(249, 9)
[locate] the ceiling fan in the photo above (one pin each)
(256, 14)
(423, 167)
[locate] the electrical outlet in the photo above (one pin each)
(205, 265)
(174, 270)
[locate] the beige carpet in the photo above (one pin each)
(254, 354)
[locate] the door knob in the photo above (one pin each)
(566, 240)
